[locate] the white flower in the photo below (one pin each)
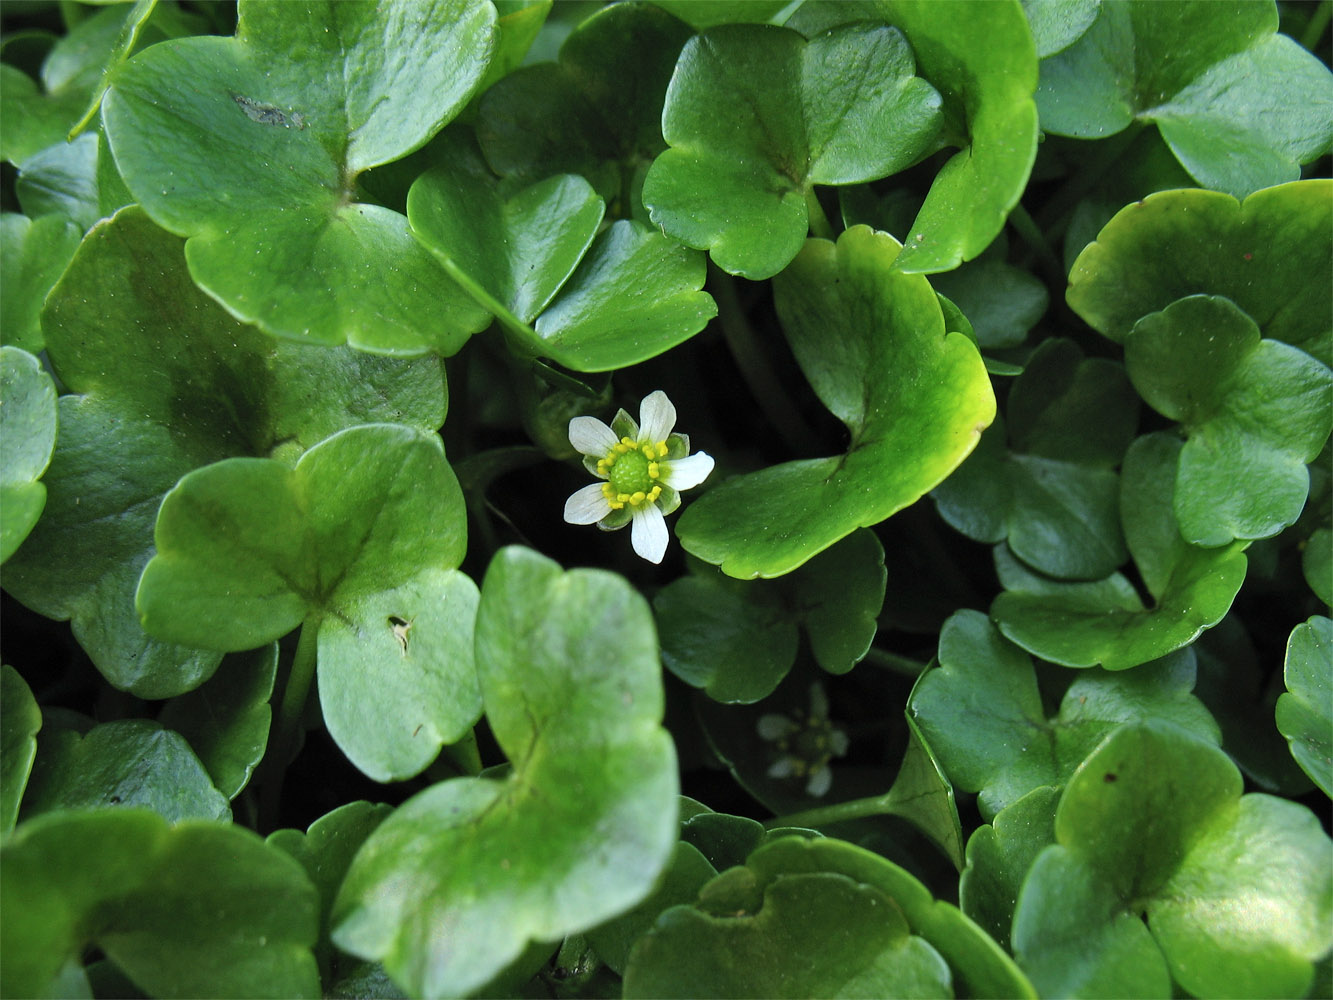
(806, 742)
(644, 465)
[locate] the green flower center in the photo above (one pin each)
(630, 473)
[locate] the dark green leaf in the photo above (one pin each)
(999, 856)
(27, 438)
(33, 254)
(20, 721)
(1304, 715)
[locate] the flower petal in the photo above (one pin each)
(588, 506)
(648, 533)
(657, 417)
(783, 767)
(773, 727)
(819, 782)
(688, 472)
(591, 437)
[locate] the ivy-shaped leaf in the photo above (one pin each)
(130, 762)
(20, 721)
(915, 398)
(33, 254)
(251, 145)
(1107, 621)
(226, 720)
(1304, 715)
(738, 640)
(27, 438)
(161, 380)
(756, 115)
(356, 544)
(1053, 495)
(1254, 413)
(1154, 823)
(597, 112)
(1268, 254)
(531, 260)
(1241, 106)
(195, 909)
(571, 683)
(983, 715)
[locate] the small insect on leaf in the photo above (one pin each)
(400, 627)
(268, 114)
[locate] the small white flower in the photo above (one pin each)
(806, 742)
(644, 467)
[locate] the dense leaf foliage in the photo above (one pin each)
(984, 346)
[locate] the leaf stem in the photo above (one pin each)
(875, 805)
(752, 360)
(819, 224)
(1030, 234)
(901, 665)
(287, 731)
(1316, 25)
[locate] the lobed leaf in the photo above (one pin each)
(33, 254)
(28, 421)
(915, 399)
(1304, 715)
(20, 721)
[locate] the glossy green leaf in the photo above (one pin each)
(196, 909)
(980, 57)
(27, 437)
(1057, 24)
(1317, 564)
(1305, 710)
(999, 856)
(738, 640)
(982, 712)
(326, 850)
(1254, 413)
(61, 180)
(161, 381)
(1002, 302)
(1107, 621)
(706, 13)
(755, 116)
(1154, 821)
(354, 541)
(20, 721)
(597, 112)
(226, 720)
(33, 254)
(1269, 255)
(1240, 106)
(571, 683)
(1052, 494)
(623, 298)
(915, 399)
(130, 762)
(249, 145)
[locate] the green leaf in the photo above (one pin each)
(1107, 621)
(62, 180)
(1268, 255)
(983, 715)
(326, 850)
(226, 721)
(1154, 821)
(1317, 564)
(1304, 715)
(571, 683)
(597, 112)
(196, 909)
(1003, 302)
(999, 856)
(130, 762)
(1052, 495)
(981, 58)
(161, 381)
(1057, 24)
(33, 254)
(624, 297)
(755, 116)
(28, 422)
(1254, 413)
(738, 640)
(356, 542)
(703, 14)
(873, 344)
(20, 721)
(1240, 106)
(251, 145)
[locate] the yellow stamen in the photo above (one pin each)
(624, 498)
(655, 493)
(653, 470)
(638, 497)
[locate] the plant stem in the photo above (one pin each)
(902, 665)
(875, 805)
(752, 360)
(1034, 238)
(287, 731)
(1318, 22)
(819, 224)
